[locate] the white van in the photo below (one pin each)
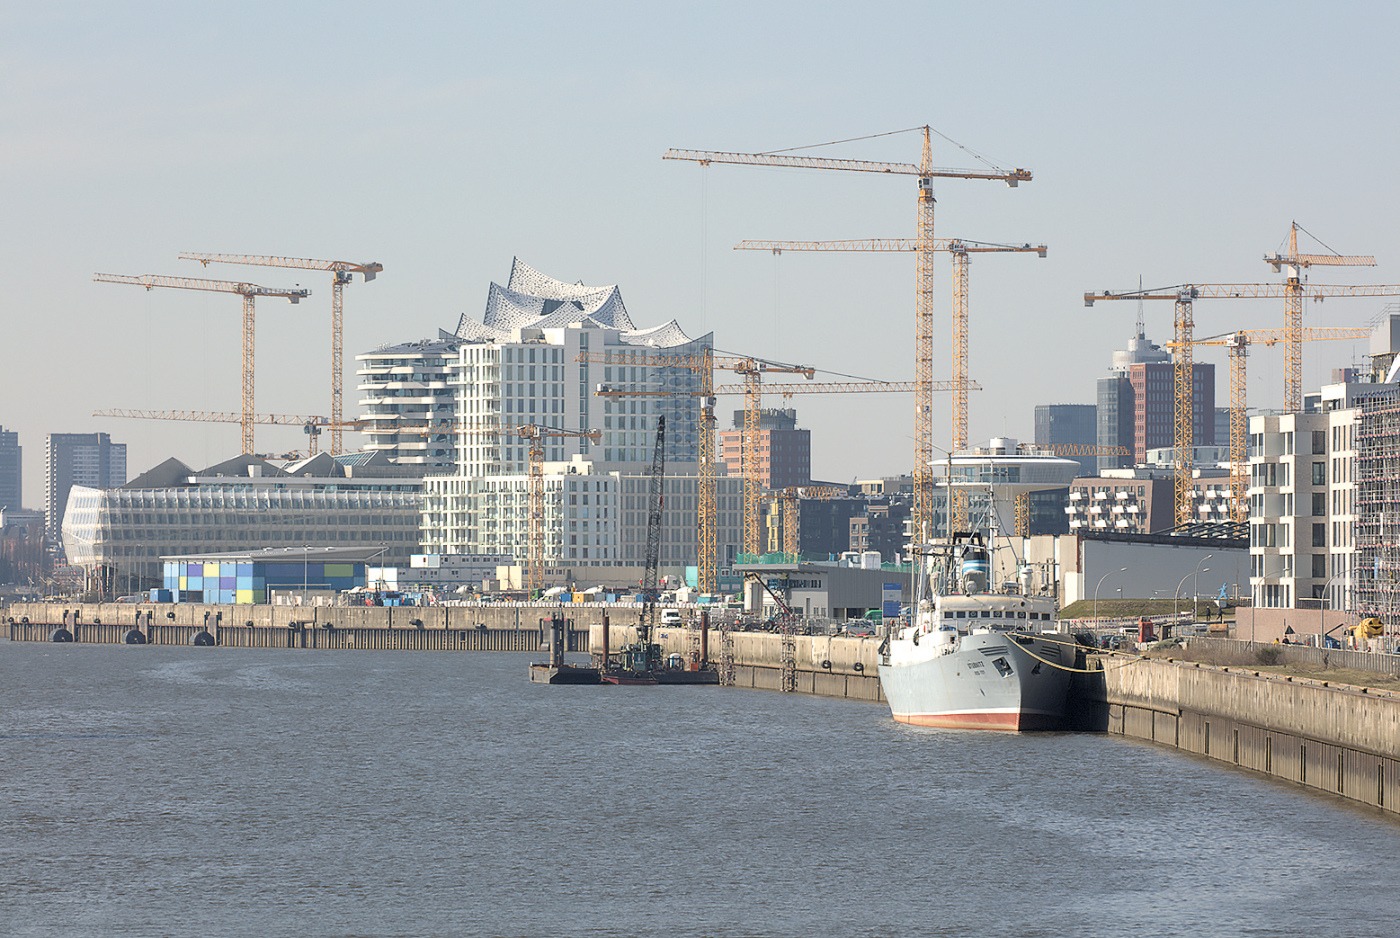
(670, 617)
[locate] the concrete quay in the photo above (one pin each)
(1337, 738)
(497, 627)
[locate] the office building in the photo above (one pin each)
(1069, 425)
(91, 460)
(358, 501)
(784, 450)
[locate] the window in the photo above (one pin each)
(1319, 538)
(1319, 506)
(1319, 473)
(1319, 442)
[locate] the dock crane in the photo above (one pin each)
(960, 250)
(250, 292)
(1184, 297)
(535, 435)
(341, 272)
(1238, 344)
(925, 173)
(1292, 265)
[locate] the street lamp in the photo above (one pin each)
(1176, 596)
(1322, 607)
(1096, 590)
(1195, 585)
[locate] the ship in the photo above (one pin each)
(973, 658)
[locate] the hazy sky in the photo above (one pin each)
(1171, 141)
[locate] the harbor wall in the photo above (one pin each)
(513, 627)
(828, 666)
(1340, 739)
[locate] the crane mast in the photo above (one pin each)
(250, 292)
(656, 502)
(341, 272)
(922, 511)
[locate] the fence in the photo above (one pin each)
(1302, 654)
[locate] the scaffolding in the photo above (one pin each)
(1378, 509)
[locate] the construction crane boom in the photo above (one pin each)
(1012, 177)
(250, 292)
(341, 275)
(889, 246)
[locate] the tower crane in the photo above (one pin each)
(535, 434)
(925, 173)
(250, 292)
(341, 274)
(960, 250)
(1184, 297)
(1292, 265)
(1237, 344)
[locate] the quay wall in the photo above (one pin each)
(828, 666)
(1336, 738)
(514, 627)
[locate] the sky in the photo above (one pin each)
(1172, 142)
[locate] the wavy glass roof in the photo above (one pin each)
(535, 300)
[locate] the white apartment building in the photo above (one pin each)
(1302, 502)
(403, 389)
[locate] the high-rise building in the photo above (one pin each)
(784, 450)
(88, 459)
(1069, 424)
(11, 470)
(1117, 406)
(408, 403)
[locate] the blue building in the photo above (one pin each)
(247, 577)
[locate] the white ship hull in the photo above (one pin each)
(992, 680)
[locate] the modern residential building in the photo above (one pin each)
(358, 501)
(87, 459)
(784, 450)
(408, 404)
(1069, 424)
(11, 470)
(1141, 500)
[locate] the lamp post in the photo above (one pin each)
(305, 571)
(1322, 607)
(1176, 596)
(1096, 590)
(1195, 585)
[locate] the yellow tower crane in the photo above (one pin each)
(1237, 344)
(341, 274)
(1184, 297)
(250, 292)
(925, 173)
(960, 249)
(536, 434)
(1292, 265)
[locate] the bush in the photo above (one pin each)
(1269, 655)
